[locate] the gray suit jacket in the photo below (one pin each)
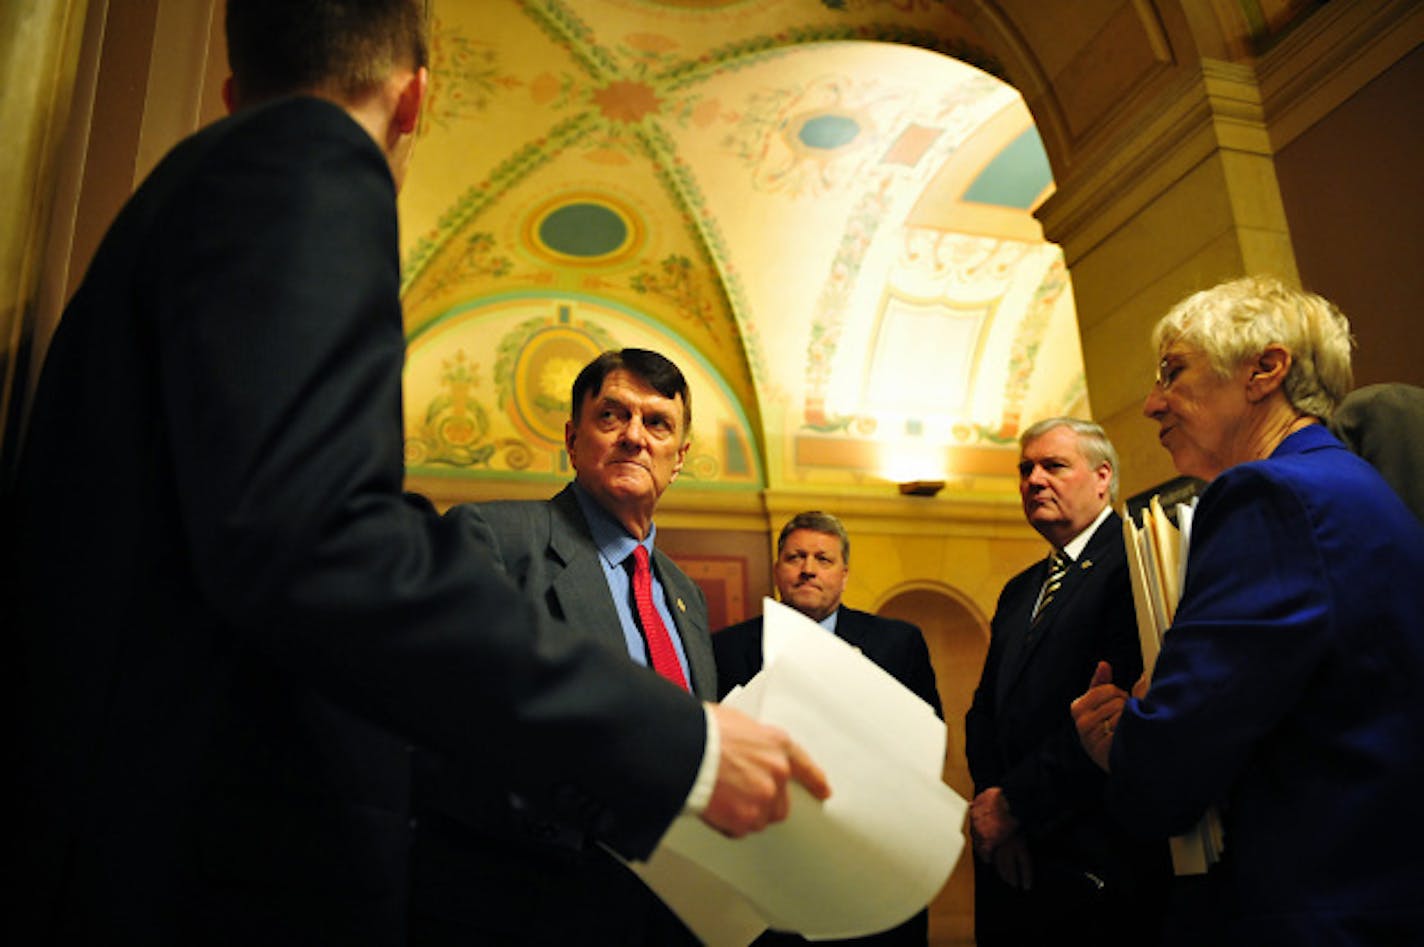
(488, 868)
(546, 547)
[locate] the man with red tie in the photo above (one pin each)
(487, 868)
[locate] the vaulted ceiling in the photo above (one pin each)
(820, 210)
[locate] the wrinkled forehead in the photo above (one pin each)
(621, 384)
(1058, 442)
(641, 390)
(812, 540)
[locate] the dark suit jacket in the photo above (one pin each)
(1288, 691)
(1385, 425)
(1019, 734)
(222, 657)
(897, 647)
(487, 871)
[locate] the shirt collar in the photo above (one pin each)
(1074, 549)
(613, 541)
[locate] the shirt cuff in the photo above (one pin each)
(706, 780)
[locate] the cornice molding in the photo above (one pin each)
(1332, 55)
(942, 516)
(687, 507)
(1216, 107)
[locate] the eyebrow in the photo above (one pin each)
(608, 401)
(650, 415)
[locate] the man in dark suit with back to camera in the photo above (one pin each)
(220, 662)
(1384, 424)
(812, 562)
(1052, 867)
(486, 870)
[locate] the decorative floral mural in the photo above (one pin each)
(506, 416)
(824, 210)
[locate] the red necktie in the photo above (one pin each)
(660, 647)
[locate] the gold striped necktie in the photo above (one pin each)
(1057, 569)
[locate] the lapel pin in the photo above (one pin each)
(681, 607)
(1087, 563)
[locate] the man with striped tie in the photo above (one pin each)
(1052, 868)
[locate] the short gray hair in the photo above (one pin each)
(1093, 444)
(817, 522)
(1234, 321)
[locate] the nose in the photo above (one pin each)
(1154, 405)
(634, 435)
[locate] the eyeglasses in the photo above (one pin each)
(1169, 369)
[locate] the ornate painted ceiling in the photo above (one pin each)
(820, 210)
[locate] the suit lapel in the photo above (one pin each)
(850, 629)
(580, 586)
(696, 638)
(1015, 626)
(1030, 635)
(582, 590)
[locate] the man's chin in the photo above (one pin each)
(806, 604)
(630, 484)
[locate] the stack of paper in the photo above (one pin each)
(1157, 561)
(866, 859)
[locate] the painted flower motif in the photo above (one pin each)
(706, 112)
(626, 101)
(557, 377)
(544, 88)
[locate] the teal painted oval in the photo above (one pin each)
(584, 230)
(828, 132)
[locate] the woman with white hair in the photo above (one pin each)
(1287, 691)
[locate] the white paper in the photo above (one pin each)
(866, 859)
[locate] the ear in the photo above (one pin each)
(411, 98)
(1103, 475)
(229, 95)
(1268, 372)
(570, 432)
(681, 459)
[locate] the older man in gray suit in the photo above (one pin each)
(487, 868)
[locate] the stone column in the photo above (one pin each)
(1183, 196)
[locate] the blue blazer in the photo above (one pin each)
(1290, 692)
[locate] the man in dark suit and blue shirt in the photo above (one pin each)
(491, 870)
(220, 662)
(1052, 868)
(812, 562)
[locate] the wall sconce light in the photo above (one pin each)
(921, 488)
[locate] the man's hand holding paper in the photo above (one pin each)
(862, 860)
(756, 764)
